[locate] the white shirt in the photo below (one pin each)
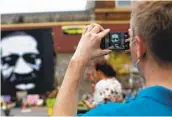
(107, 89)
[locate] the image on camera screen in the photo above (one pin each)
(118, 41)
(115, 41)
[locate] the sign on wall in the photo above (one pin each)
(73, 30)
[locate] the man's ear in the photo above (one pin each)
(140, 47)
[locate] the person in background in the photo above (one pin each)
(151, 51)
(102, 70)
(105, 86)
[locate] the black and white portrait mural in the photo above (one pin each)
(20, 57)
(27, 61)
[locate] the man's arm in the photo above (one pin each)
(67, 99)
(88, 49)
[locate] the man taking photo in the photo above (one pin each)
(151, 50)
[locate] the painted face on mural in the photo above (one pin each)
(20, 58)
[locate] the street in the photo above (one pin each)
(36, 111)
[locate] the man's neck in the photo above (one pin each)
(157, 75)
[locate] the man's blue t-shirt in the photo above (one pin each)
(152, 101)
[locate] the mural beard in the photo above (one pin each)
(20, 60)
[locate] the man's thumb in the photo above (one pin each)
(105, 52)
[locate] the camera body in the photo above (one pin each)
(115, 41)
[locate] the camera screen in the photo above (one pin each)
(115, 41)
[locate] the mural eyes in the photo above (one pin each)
(11, 60)
(31, 57)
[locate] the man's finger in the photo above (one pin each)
(105, 52)
(97, 28)
(98, 60)
(90, 27)
(85, 30)
(127, 40)
(103, 33)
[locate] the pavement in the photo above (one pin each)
(35, 111)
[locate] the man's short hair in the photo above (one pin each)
(152, 20)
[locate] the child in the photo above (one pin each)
(106, 87)
(107, 90)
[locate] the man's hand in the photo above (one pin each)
(89, 45)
